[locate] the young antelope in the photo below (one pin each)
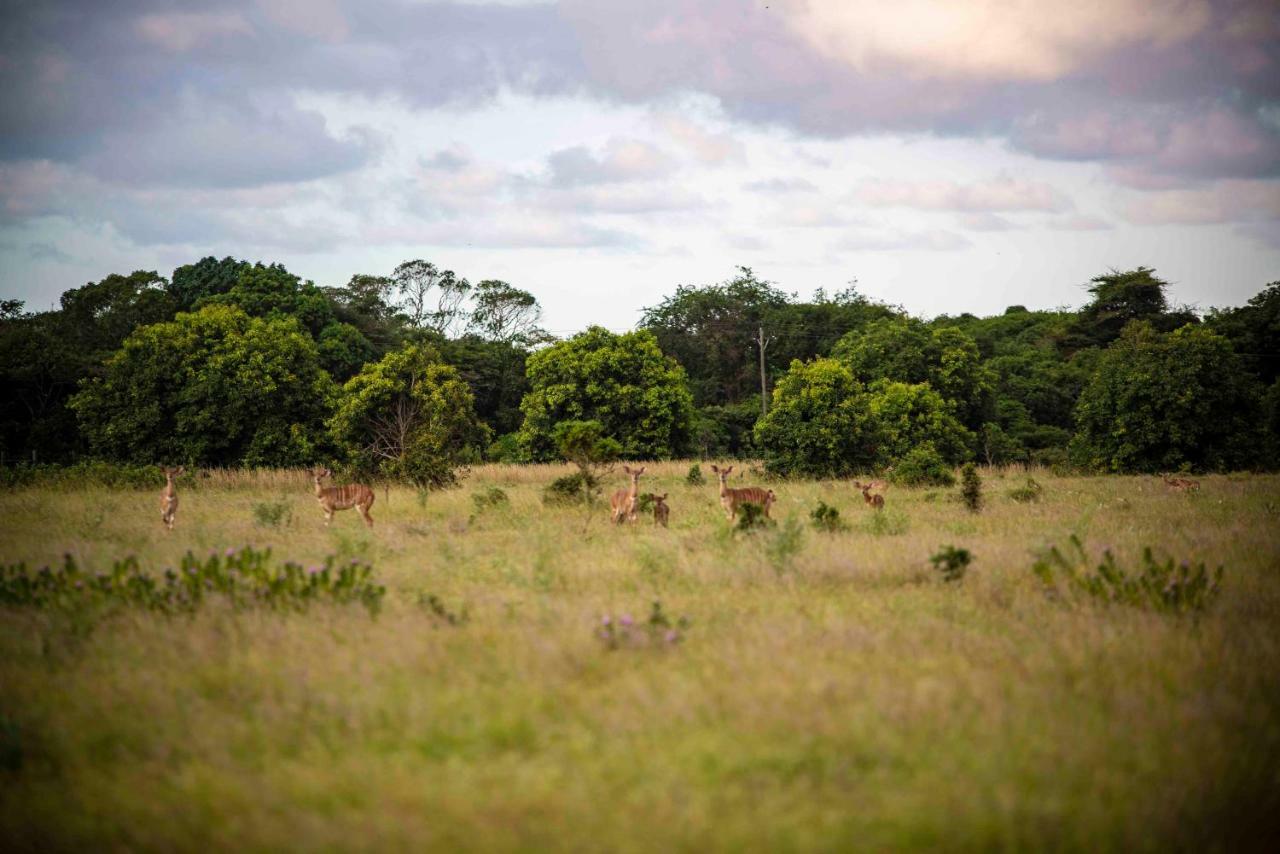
(333, 498)
(169, 497)
(661, 512)
(876, 502)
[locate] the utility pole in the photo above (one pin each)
(762, 344)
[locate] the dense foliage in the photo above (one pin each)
(625, 382)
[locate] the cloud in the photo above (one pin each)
(178, 32)
(1223, 201)
(781, 185)
(983, 221)
(933, 240)
(1079, 222)
(706, 146)
(1003, 193)
(47, 252)
(621, 160)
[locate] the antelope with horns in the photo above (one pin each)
(876, 502)
(333, 498)
(731, 499)
(661, 512)
(622, 503)
(169, 497)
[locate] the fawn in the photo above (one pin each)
(622, 504)
(661, 512)
(1181, 484)
(730, 499)
(876, 502)
(169, 497)
(334, 498)
(874, 485)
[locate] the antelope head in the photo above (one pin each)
(722, 473)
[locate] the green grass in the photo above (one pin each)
(831, 692)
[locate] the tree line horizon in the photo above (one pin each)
(414, 374)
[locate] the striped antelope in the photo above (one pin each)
(622, 504)
(169, 497)
(1181, 484)
(661, 512)
(876, 502)
(730, 499)
(333, 498)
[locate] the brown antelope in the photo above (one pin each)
(730, 499)
(880, 485)
(333, 498)
(661, 512)
(1181, 484)
(169, 497)
(875, 502)
(623, 502)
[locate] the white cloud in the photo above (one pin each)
(1003, 193)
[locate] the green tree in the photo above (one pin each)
(208, 277)
(344, 350)
(495, 370)
(214, 387)
(431, 297)
(638, 395)
(1254, 330)
(506, 314)
(409, 416)
(272, 291)
(1120, 298)
(1164, 401)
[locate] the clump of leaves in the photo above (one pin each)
(885, 523)
(433, 604)
(827, 518)
(658, 631)
(695, 476)
(971, 487)
(1159, 585)
(272, 514)
(244, 578)
(571, 489)
(1029, 492)
(489, 498)
(751, 517)
(951, 562)
(645, 502)
(923, 466)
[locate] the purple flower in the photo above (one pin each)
(605, 620)
(672, 636)
(315, 570)
(231, 552)
(626, 620)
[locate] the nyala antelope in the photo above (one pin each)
(875, 502)
(661, 512)
(1181, 484)
(731, 499)
(623, 502)
(333, 498)
(169, 497)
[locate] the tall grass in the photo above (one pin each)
(826, 692)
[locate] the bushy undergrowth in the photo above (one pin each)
(244, 578)
(272, 514)
(574, 488)
(92, 473)
(922, 466)
(951, 562)
(623, 632)
(827, 518)
(1158, 585)
(489, 498)
(971, 488)
(1029, 492)
(695, 477)
(751, 517)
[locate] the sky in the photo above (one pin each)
(947, 155)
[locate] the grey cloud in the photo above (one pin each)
(887, 241)
(622, 160)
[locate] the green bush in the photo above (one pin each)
(270, 514)
(827, 518)
(971, 488)
(751, 517)
(1028, 492)
(951, 562)
(243, 578)
(695, 477)
(922, 466)
(489, 498)
(89, 473)
(1161, 586)
(571, 489)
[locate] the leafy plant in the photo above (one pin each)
(751, 517)
(270, 514)
(951, 562)
(695, 477)
(889, 523)
(570, 489)
(645, 502)
(658, 631)
(971, 487)
(1158, 585)
(489, 498)
(827, 518)
(1029, 492)
(923, 466)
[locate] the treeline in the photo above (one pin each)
(414, 373)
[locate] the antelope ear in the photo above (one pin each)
(728, 470)
(626, 468)
(664, 495)
(180, 470)
(640, 470)
(715, 469)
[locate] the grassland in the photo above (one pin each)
(830, 693)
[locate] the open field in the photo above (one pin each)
(830, 692)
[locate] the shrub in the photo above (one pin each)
(243, 578)
(951, 562)
(923, 466)
(89, 473)
(1157, 585)
(645, 502)
(1028, 492)
(658, 631)
(270, 514)
(751, 517)
(695, 476)
(827, 518)
(571, 489)
(489, 498)
(505, 449)
(971, 487)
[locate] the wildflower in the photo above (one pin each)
(626, 620)
(672, 636)
(605, 620)
(231, 552)
(315, 570)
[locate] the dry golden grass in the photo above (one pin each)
(836, 697)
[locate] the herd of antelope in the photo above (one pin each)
(623, 504)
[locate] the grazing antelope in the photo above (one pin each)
(333, 498)
(169, 497)
(876, 502)
(622, 504)
(1181, 484)
(730, 499)
(661, 512)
